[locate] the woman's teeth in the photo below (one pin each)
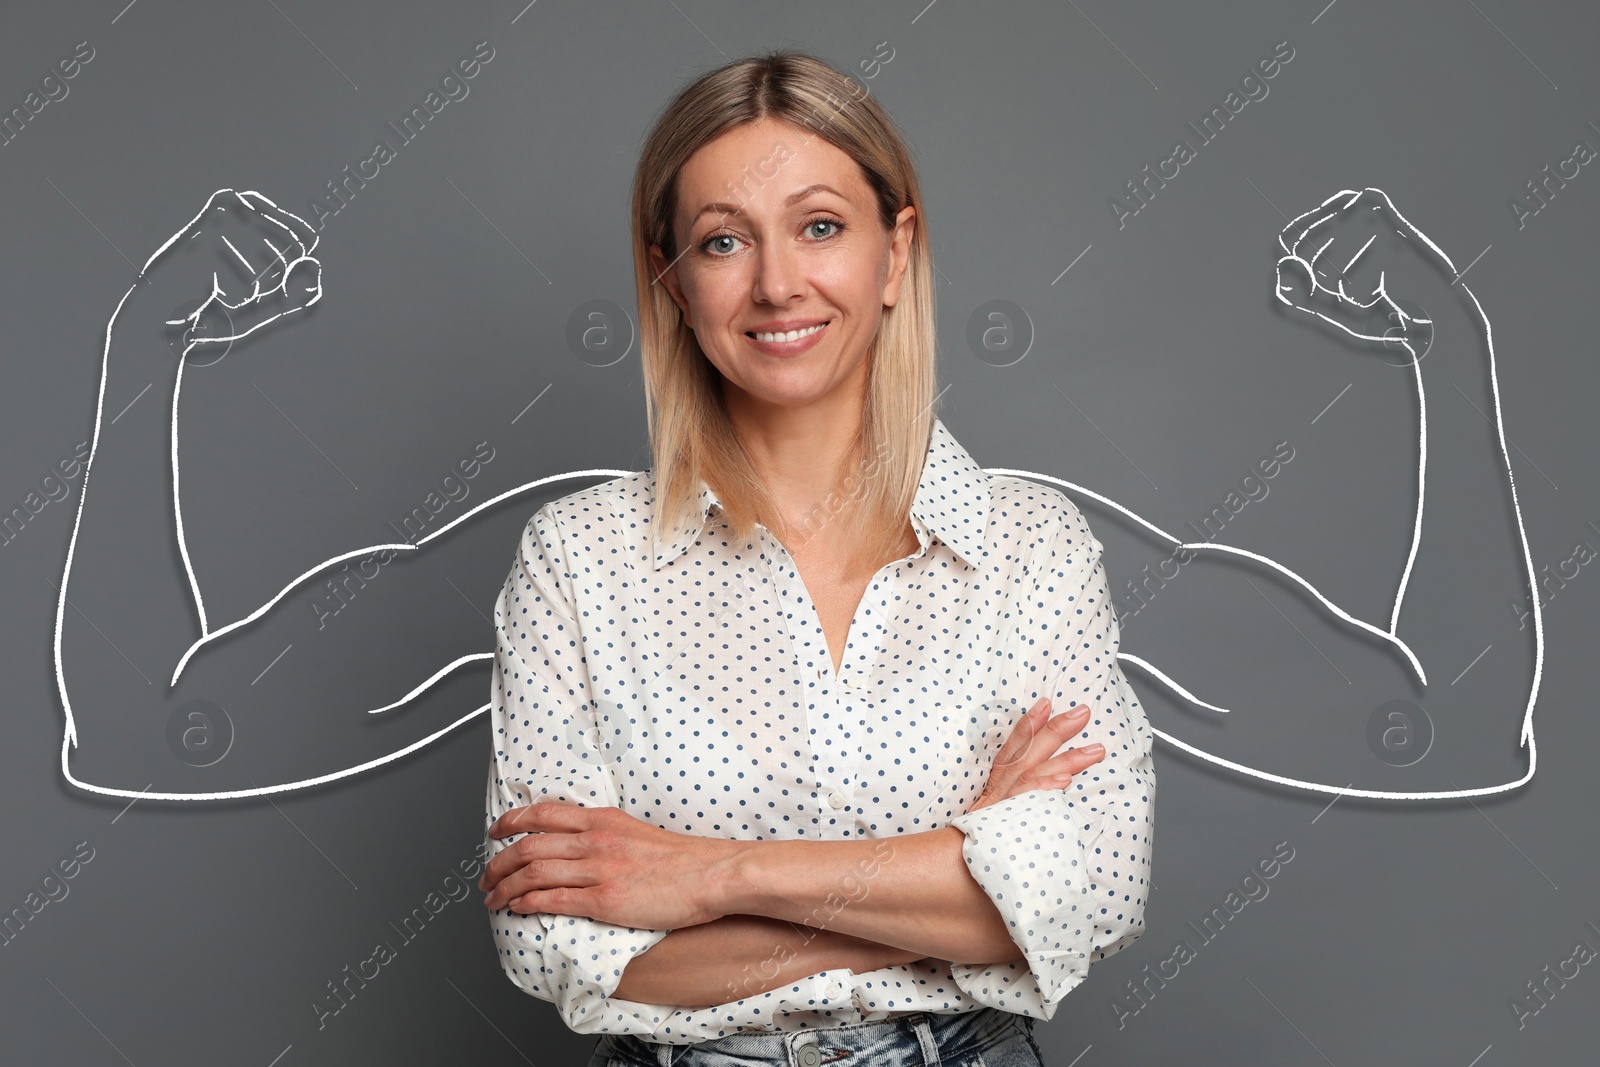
(791, 335)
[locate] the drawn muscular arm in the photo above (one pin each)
(295, 688)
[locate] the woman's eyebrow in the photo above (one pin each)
(793, 198)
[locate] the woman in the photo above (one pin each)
(749, 797)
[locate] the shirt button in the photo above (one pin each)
(836, 798)
(834, 990)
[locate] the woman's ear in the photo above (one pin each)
(667, 276)
(905, 227)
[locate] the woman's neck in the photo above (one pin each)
(799, 452)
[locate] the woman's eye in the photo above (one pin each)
(836, 227)
(723, 244)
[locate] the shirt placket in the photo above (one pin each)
(835, 704)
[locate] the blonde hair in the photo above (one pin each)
(691, 437)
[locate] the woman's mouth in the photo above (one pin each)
(787, 342)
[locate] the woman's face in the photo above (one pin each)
(778, 231)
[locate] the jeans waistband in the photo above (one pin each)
(937, 1036)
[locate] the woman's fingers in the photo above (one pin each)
(1021, 745)
(1018, 744)
(1034, 740)
(1059, 770)
(528, 848)
(537, 874)
(1056, 770)
(1028, 759)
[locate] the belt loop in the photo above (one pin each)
(924, 1032)
(664, 1054)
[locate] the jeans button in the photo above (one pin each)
(809, 1056)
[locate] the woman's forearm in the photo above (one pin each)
(739, 956)
(913, 891)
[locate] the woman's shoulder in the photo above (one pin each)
(629, 490)
(1039, 526)
(1023, 509)
(613, 505)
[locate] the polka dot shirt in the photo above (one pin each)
(684, 677)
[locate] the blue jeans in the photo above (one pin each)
(986, 1037)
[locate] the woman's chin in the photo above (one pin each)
(791, 390)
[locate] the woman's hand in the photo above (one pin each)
(605, 864)
(1025, 762)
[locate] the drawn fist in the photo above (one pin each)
(1357, 264)
(270, 272)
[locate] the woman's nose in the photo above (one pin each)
(778, 274)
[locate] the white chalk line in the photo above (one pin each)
(70, 739)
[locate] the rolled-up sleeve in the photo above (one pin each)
(1067, 868)
(545, 734)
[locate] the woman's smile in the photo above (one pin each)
(791, 342)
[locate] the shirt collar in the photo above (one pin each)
(951, 503)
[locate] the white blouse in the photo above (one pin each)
(686, 679)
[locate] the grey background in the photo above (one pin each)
(202, 932)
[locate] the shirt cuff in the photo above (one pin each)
(1026, 852)
(576, 964)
